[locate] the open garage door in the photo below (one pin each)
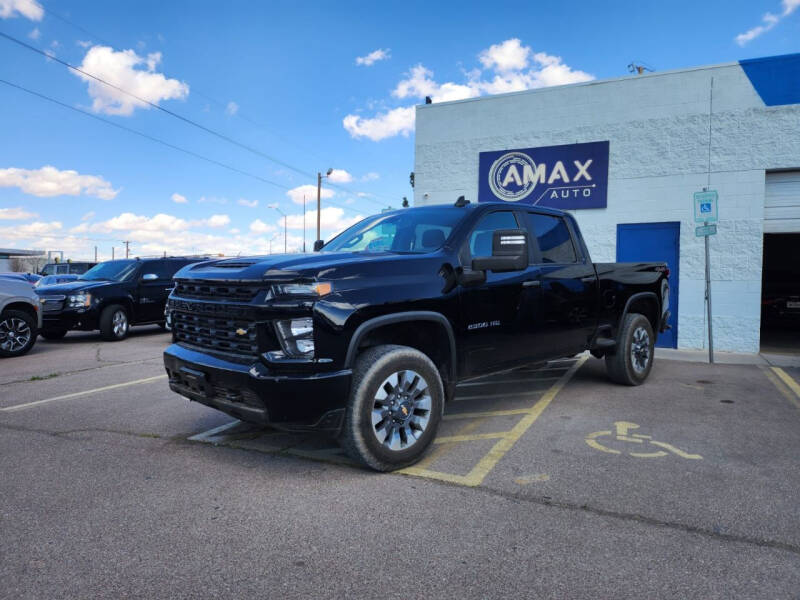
(780, 288)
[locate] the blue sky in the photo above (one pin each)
(285, 79)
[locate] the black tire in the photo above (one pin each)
(111, 328)
(53, 334)
(17, 333)
(633, 357)
(360, 434)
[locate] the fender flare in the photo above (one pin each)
(416, 315)
(639, 296)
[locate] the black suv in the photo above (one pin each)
(367, 338)
(111, 297)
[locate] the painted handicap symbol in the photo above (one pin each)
(623, 434)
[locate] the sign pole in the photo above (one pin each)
(708, 305)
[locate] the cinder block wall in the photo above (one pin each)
(658, 128)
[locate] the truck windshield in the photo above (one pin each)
(113, 270)
(414, 231)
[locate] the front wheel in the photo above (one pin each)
(395, 407)
(17, 333)
(114, 325)
(633, 358)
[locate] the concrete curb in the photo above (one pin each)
(730, 358)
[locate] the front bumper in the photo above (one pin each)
(258, 394)
(70, 319)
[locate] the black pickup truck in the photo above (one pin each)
(111, 296)
(367, 337)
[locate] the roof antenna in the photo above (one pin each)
(461, 202)
(639, 68)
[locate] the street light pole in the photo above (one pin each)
(304, 223)
(275, 206)
(319, 194)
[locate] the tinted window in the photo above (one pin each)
(112, 270)
(164, 269)
(480, 240)
(552, 234)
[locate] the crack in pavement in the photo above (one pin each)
(103, 365)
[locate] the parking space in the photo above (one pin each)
(543, 480)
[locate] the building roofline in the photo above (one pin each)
(609, 80)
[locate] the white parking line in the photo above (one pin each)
(212, 434)
(85, 393)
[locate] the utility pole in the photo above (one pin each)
(304, 223)
(95, 254)
(319, 194)
(112, 252)
(127, 248)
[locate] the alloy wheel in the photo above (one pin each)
(14, 334)
(119, 323)
(401, 410)
(640, 349)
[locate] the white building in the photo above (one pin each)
(734, 128)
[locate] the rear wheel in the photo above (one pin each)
(53, 334)
(395, 407)
(17, 333)
(632, 360)
(114, 325)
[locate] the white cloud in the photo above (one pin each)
(371, 176)
(373, 57)
(212, 200)
(179, 199)
(49, 181)
(332, 220)
(88, 215)
(218, 221)
(340, 176)
(84, 43)
(309, 192)
(30, 9)
(510, 55)
(398, 121)
(38, 228)
(14, 214)
(130, 221)
(513, 67)
(247, 203)
(232, 108)
(124, 69)
(35, 34)
(258, 226)
(768, 21)
(234, 231)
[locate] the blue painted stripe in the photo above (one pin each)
(775, 78)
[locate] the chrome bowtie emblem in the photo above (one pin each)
(241, 331)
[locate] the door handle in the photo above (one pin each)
(532, 283)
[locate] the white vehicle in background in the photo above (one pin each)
(20, 317)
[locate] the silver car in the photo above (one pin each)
(20, 317)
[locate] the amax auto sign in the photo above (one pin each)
(570, 176)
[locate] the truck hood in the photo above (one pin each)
(276, 267)
(72, 287)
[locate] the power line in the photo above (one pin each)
(171, 113)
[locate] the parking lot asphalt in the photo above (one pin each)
(547, 481)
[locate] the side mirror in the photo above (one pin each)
(149, 277)
(318, 245)
(509, 252)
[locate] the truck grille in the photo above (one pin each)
(217, 291)
(223, 335)
(52, 303)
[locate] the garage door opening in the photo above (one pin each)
(780, 294)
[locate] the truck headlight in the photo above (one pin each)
(301, 289)
(81, 300)
(296, 337)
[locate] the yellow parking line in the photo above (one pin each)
(790, 383)
(491, 413)
(449, 439)
(86, 393)
(476, 476)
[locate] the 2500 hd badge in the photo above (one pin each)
(367, 338)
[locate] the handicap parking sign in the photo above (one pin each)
(705, 207)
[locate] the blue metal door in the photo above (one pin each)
(655, 242)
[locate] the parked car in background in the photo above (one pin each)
(20, 317)
(54, 279)
(66, 268)
(111, 297)
(29, 278)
